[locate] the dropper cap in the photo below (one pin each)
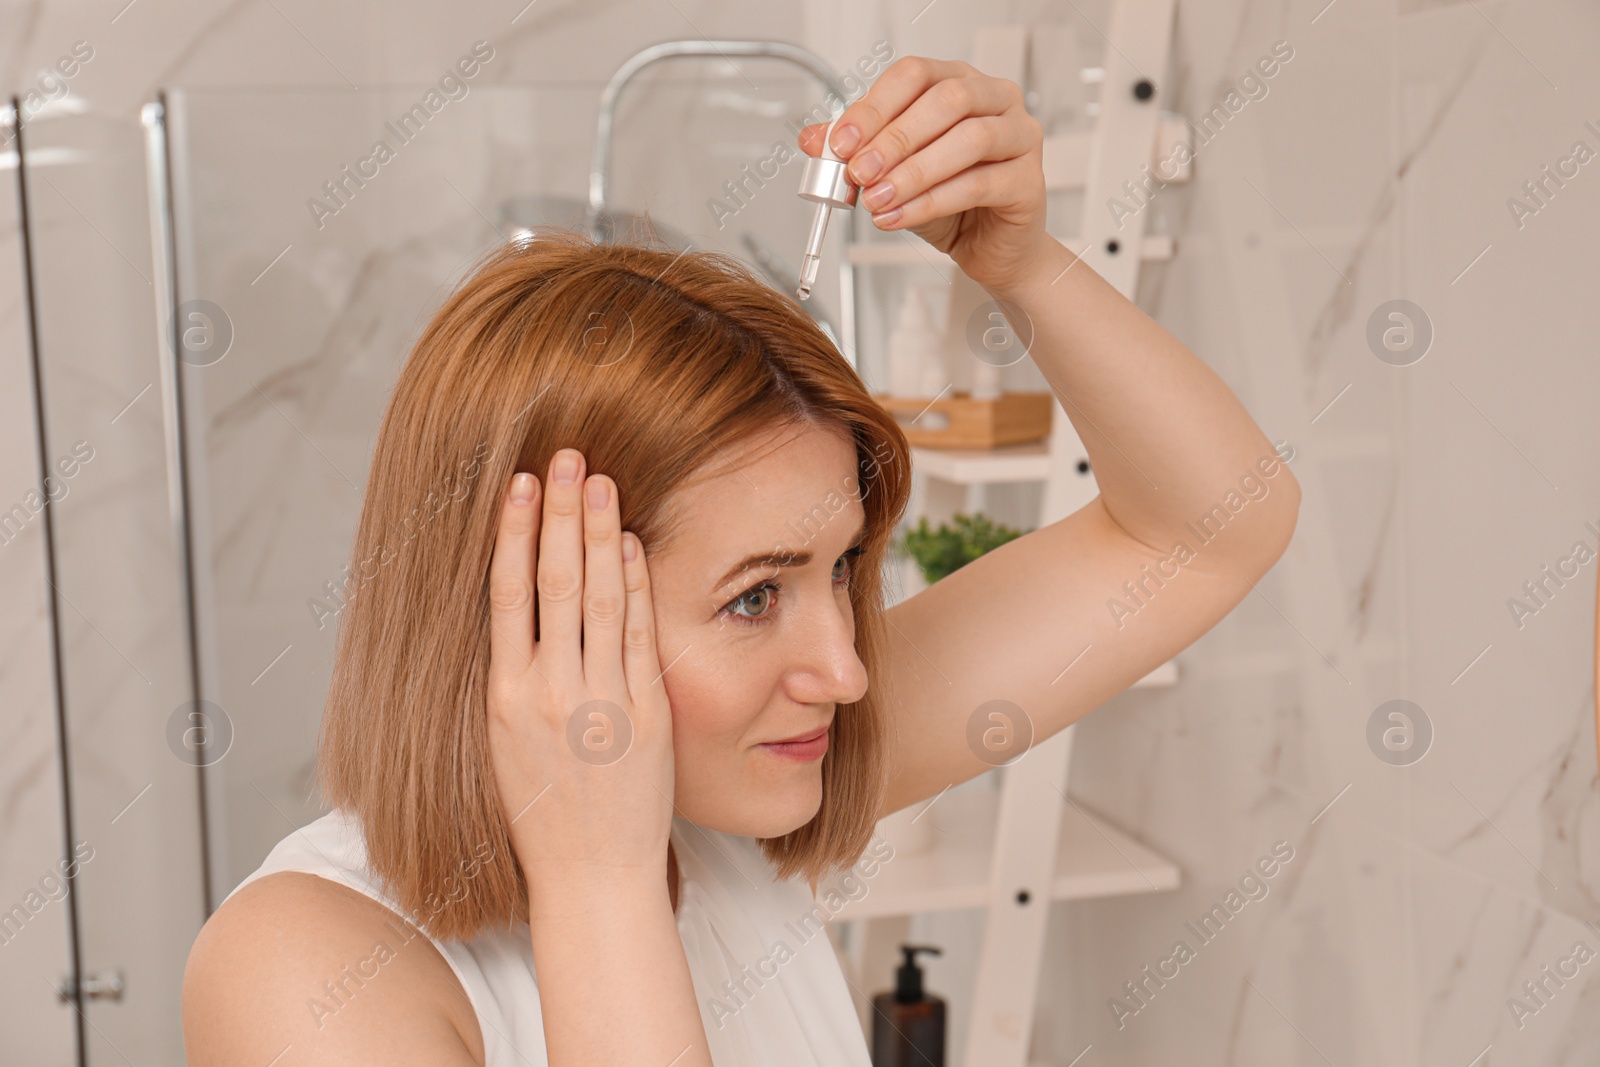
(824, 183)
(908, 976)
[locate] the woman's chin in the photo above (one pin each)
(768, 811)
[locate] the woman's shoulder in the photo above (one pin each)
(296, 959)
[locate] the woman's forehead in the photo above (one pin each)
(805, 490)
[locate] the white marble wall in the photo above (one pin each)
(1378, 167)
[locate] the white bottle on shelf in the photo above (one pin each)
(985, 381)
(914, 347)
(998, 346)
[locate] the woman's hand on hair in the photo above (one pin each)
(961, 157)
(580, 737)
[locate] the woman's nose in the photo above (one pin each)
(831, 671)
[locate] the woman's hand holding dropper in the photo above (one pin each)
(950, 153)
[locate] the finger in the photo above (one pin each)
(994, 185)
(640, 660)
(511, 581)
(927, 118)
(981, 139)
(604, 596)
(560, 569)
(902, 82)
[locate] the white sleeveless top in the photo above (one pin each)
(770, 988)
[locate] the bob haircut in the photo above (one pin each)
(654, 365)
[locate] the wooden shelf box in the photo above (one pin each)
(959, 421)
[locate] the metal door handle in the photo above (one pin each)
(106, 985)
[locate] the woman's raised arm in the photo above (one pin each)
(1064, 617)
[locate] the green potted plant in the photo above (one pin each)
(940, 552)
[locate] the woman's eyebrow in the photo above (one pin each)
(765, 560)
(781, 558)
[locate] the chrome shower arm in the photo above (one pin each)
(600, 168)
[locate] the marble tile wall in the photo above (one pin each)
(1377, 168)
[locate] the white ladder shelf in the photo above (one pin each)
(1012, 851)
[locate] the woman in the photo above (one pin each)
(568, 727)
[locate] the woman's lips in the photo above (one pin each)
(804, 751)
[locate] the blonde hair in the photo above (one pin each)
(653, 364)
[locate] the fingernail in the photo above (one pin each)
(522, 488)
(866, 169)
(845, 138)
(879, 194)
(888, 218)
(567, 467)
(598, 494)
(629, 548)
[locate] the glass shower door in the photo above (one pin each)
(128, 822)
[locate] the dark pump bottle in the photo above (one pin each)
(908, 1024)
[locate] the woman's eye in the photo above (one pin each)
(755, 606)
(849, 562)
(757, 600)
